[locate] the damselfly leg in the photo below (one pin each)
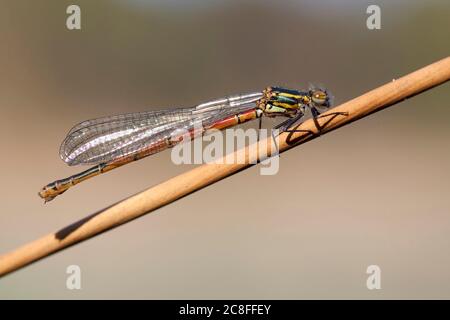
(284, 127)
(315, 113)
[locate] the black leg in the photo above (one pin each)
(288, 123)
(315, 113)
(284, 126)
(318, 126)
(296, 130)
(259, 127)
(332, 114)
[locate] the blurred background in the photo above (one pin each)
(374, 192)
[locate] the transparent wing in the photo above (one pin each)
(109, 138)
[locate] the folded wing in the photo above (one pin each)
(106, 139)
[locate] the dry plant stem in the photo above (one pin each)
(186, 183)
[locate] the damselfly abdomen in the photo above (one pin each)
(113, 141)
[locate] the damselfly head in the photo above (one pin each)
(320, 98)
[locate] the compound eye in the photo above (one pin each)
(319, 97)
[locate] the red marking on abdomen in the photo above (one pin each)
(235, 119)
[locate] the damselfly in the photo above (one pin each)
(113, 141)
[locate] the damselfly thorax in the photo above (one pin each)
(113, 141)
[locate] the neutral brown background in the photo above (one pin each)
(375, 192)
